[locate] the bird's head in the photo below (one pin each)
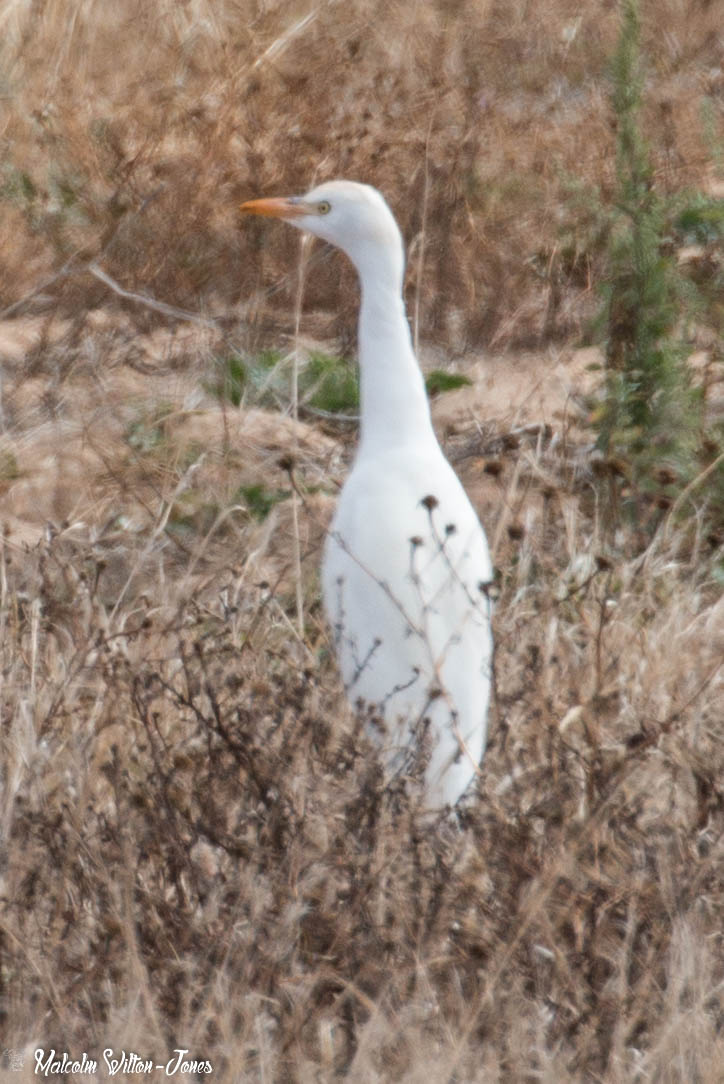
(353, 217)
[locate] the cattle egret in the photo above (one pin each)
(406, 566)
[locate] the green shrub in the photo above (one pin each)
(331, 384)
(651, 415)
(438, 381)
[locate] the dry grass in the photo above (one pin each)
(200, 854)
(196, 851)
(131, 133)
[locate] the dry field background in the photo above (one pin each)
(196, 851)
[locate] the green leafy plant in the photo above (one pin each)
(261, 380)
(701, 219)
(331, 384)
(231, 379)
(259, 500)
(651, 415)
(326, 382)
(438, 381)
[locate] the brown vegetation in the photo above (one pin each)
(132, 131)
(196, 849)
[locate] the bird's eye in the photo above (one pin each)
(324, 207)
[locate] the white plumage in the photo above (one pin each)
(406, 565)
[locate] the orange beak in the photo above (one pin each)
(282, 207)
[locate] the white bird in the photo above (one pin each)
(406, 566)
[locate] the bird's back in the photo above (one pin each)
(404, 578)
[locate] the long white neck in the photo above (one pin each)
(394, 405)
